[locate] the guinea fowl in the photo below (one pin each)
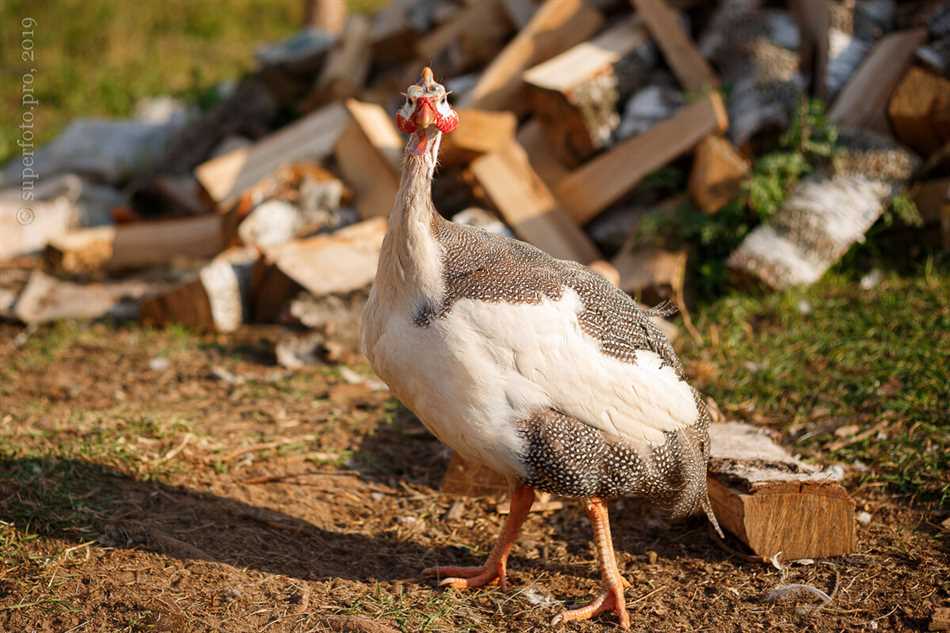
(536, 367)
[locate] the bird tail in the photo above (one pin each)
(707, 508)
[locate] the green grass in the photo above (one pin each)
(99, 57)
(810, 361)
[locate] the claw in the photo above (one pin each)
(610, 600)
(468, 577)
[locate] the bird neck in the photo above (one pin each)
(413, 255)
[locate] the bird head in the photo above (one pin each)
(426, 107)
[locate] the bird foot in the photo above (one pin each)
(610, 600)
(468, 577)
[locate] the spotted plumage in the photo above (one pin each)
(487, 267)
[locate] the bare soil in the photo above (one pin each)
(221, 492)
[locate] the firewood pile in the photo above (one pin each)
(271, 206)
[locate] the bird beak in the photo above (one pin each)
(424, 116)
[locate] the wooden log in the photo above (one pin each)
(136, 245)
(689, 66)
(717, 174)
(335, 263)
(531, 136)
(217, 300)
(394, 35)
(528, 207)
(327, 15)
(774, 502)
(555, 27)
(347, 65)
(369, 154)
(575, 95)
(226, 177)
(470, 39)
(589, 189)
(820, 219)
(862, 102)
(479, 132)
(919, 111)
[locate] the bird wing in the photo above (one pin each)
(591, 354)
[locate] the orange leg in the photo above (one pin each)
(494, 570)
(612, 598)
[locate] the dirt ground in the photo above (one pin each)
(162, 481)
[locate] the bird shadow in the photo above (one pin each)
(79, 501)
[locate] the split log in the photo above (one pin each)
(216, 300)
(326, 15)
(46, 298)
(136, 245)
(531, 136)
(689, 66)
(228, 176)
(555, 27)
(28, 228)
(576, 94)
(863, 101)
(479, 132)
(470, 39)
(774, 502)
(933, 202)
(528, 207)
(652, 274)
(347, 65)
(520, 11)
(334, 263)
(717, 174)
(919, 111)
(591, 188)
(369, 153)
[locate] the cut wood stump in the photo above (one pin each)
(519, 194)
(336, 263)
(576, 94)
(555, 27)
(591, 188)
(369, 154)
(717, 174)
(774, 502)
(919, 111)
(135, 245)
